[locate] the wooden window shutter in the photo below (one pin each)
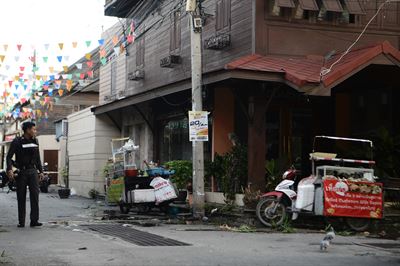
(218, 16)
(333, 5)
(172, 34)
(354, 7)
(177, 29)
(286, 3)
(309, 5)
(227, 13)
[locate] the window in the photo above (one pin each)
(223, 15)
(113, 78)
(174, 140)
(140, 52)
(175, 31)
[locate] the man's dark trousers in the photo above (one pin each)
(28, 178)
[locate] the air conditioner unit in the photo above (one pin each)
(121, 95)
(137, 75)
(170, 61)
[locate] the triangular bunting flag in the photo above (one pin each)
(89, 64)
(115, 40)
(101, 42)
(61, 45)
(45, 58)
(21, 75)
(117, 50)
(77, 75)
(88, 56)
(16, 58)
(5, 46)
(46, 46)
(59, 58)
(25, 86)
(82, 76)
(2, 58)
(51, 69)
(102, 53)
(19, 46)
(79, 66)
(65, 68)
(60, 92)
(10, 82)
(64, 76)
(66, 58)
(74, 44)
(130, 38)
(88, 43)
(22, 68)
(35, 68)
(103, 61)
(16, 86)
(90, 74)
(8, 67)
(51, 77)
(57, 76)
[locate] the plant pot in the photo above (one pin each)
(182, 195)
(64, 193)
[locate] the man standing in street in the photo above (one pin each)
(27, 157)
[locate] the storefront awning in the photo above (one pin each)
(315, 75)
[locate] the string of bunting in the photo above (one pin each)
(43, 89)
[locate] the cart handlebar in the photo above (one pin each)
(342, 160)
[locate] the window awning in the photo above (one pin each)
(354, 7)
(332, 5)
(309, 5)
(285, 3)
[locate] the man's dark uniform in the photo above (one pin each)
(28, 162)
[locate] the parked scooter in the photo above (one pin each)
(45, 182)
(5, 181)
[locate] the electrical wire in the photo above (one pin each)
(325, 71)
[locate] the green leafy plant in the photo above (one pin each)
(107, 169)
(93, 193)
(274, 170)
(251, 197)
(183, 172)
(386, 153)
(64, 175)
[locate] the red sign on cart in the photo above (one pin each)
(353, 199)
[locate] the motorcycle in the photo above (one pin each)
(5, 181)
(295, 195)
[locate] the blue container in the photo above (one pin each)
(159, 171)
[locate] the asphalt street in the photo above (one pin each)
(66, 240)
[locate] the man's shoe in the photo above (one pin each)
(20, 225)
(36, 224)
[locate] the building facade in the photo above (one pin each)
(273, 73)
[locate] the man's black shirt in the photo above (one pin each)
(26, 152)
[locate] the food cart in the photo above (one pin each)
(130, 187)
(339, 187)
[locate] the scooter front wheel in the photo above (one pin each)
(358, 224)
(270, 211)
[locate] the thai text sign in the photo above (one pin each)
(353, 199)
(198, 126)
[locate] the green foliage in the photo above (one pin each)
(251, 197)
(230, 171)
(274, 170)
(64, 174)
(107, 169)
(93, 193)
(183, 172)
(386, 153)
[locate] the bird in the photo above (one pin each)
(325, 243)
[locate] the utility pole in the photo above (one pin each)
(192, 6)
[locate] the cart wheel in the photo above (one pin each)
(358, 224)
(143, 208)
(270, 211)
(124, 208)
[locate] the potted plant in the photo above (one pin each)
(64, 192)
(182, 177)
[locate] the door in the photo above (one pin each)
(51, 157)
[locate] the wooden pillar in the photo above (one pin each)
(223, 123)
(256, 142)
(343, 115)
